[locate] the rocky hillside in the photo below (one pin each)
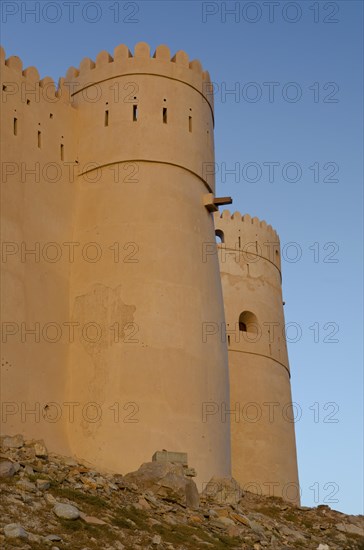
(52, 502)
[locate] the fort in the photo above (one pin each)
(126, 329)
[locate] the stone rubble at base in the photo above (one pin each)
(153, 507)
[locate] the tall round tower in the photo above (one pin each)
(140, 292)
(261, 416)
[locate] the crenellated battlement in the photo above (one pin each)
(136, 94)
(124, 63)
(38, 123)
(248, 234)
(30, 81)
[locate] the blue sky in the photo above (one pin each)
(297, 76)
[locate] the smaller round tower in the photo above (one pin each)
(262, 425)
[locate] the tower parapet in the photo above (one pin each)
(144, 108)
(160, 64)
(251, 236)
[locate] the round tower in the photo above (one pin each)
(262, 428)
(141, 292)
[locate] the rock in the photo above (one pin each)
(195, 519)
(66, 511)
(35, 538)
(350, 528)
(291, 533)
(53, 538)
(323, 547)
(190, 472)
(91, 520)
(258, 529)
(42, 484)
(143, 504)
(28, 470)
(233, 531)
(222, 512)
(151, 498)
(6, 468)
(241, 519)
(25, 485)
(50, 499)
(40, 449)
(14, 442)
(223, 522)
(223, 490)
(89, 483)
(67, 461)
(164, 479)
(118, 545)
(156, 539)
(192, 496)
(15, 531)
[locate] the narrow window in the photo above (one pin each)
(39, 139)
(228, 339)
(248, 322)
(4, 88)
(106, 121)
(62, 151)
(239, 242)
(135, 113)
(164, 115)
(28, 101)
(15, 126)
(219, 236)
(50, 115)
(190, 123)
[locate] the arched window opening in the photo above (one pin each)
(219, 236)
(248, 322)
